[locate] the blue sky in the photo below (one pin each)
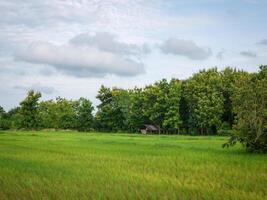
(69, 48)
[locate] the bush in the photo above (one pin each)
(224, 132)
(4, 124)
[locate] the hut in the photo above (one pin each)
(148, 128)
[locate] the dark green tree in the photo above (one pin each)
(137, 119)
(172, 118)
(48, 115)
(205, 101)
(65, 112)
(4, 122)
(155, 105)
(28, 111)
(85, 117)
(250, 107)
(110, 116)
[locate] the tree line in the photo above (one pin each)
(228, 102)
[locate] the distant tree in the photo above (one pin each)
(113, 111)
(85, 117)
(2, 111)
(184, 108)
(65, 113)
(48, 116)
(121, 102)
(108, 115)
(172, 118)
(4, 122)
(13, 118)
(250, 106)
(28, 111)
(229, 78)
(155, 105)
(205, 101)
(136, 110)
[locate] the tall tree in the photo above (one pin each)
(28, 110)
(229, 78)
(48, 115)
(172, 118)
(2, 111)
(4, 122)
(110, 115)
(65, 111)
(250, 106)
(136, 111)
(85, 117)
(155, 105)
(205, 101)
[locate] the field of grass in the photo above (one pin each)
(64, 165)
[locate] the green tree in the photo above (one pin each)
(4, 121)
(136, 110)
(109, 115)
(250, 106)
(28, 111)
(48, 116)
(85, 117)
(229, 78)
(205, 101)
(65, 112)
(155, 105)
(2, 111)
(113, 110)
(172, 118)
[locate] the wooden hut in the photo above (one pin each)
(148, 128)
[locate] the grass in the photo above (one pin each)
(65, 165)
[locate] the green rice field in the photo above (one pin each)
(72, 165)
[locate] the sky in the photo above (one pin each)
(69, 48)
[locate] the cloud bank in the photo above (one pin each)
(248, 54)
(263, 42)
(185, 48)
(87, 56)
(105, 41)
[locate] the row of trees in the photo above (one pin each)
(52, 114)
(202, 104)
(209, 102)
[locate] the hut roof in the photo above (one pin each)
(151, 127)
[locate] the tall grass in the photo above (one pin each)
(58, 165)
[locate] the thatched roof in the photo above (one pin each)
(151, 127)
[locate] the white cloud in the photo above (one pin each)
(263, 42)
(185, 48)
(81, 61)
(248, 54)
(105, 41)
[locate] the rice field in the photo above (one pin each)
(72, 165)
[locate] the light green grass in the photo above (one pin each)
(58, 165)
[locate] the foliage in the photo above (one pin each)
(110, 115)
(85, 117)
(155, 105)
(136, 110)
(250, 106)
(4, 122)
(28, 111)
(172, 119)
(205, 101)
